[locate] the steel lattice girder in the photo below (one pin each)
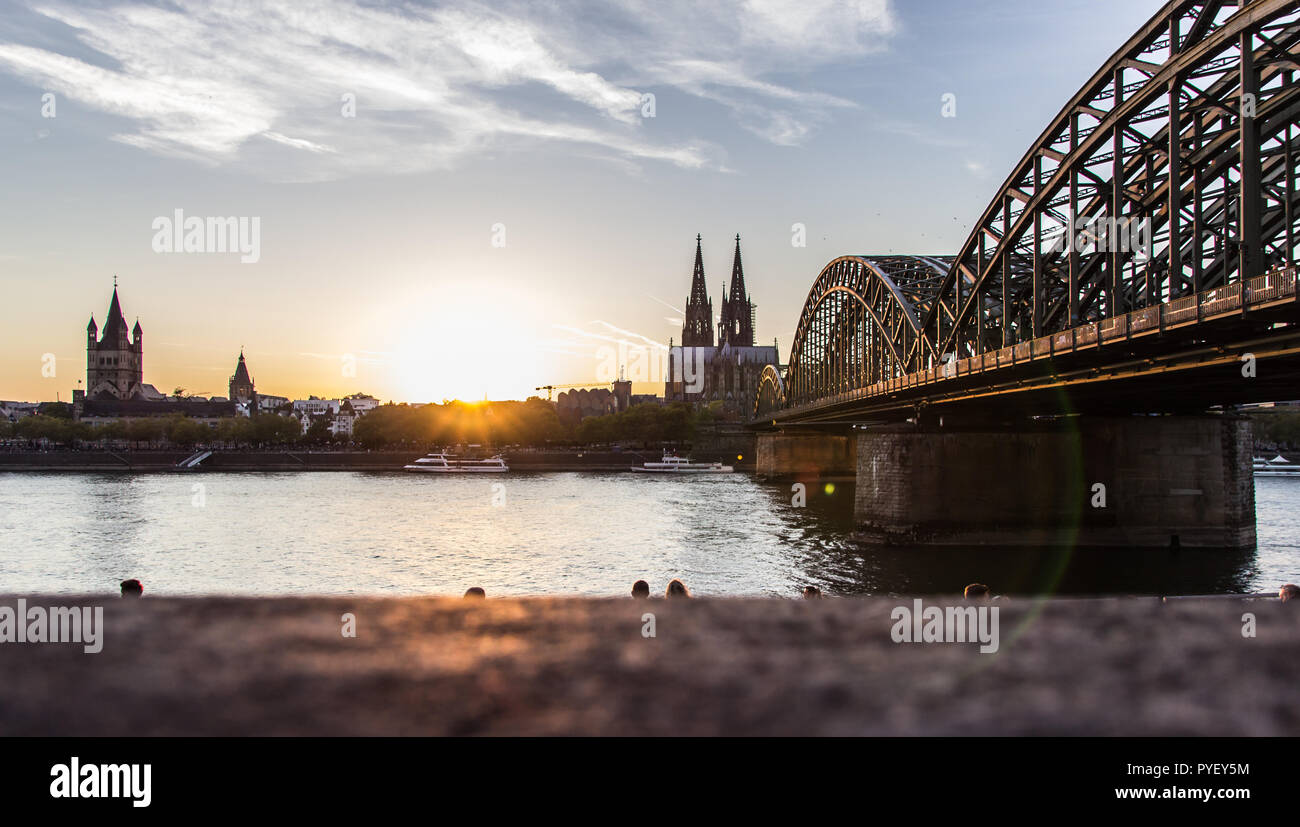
(861, 319)
(1182, 88)
(1107, 154)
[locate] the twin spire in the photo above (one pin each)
(735, 325)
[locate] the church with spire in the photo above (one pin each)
(728, 371)
(114, 358)
(115, 387)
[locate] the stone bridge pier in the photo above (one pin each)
(1104, 482)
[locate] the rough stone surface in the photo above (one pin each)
(441, 666)
(784, 455)
(1184, 477)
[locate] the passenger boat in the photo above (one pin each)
(441, 463)
(1278, 466)
(679, 465)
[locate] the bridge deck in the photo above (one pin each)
(1258, 314)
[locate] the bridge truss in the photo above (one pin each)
(1170, 175)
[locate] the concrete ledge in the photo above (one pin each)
(442, 666)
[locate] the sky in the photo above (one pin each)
(471, 200)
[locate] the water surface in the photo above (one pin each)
(541, 534)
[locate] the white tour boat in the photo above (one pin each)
(440, 463)
(1278, 466)
(679, 465)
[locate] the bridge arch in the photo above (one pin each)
(1173, 171)
(860, 321)
(1188, 133)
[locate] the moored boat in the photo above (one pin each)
(681, 465)
(1278, 466)
(442, 463)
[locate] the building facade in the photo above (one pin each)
(115, 387)
(114, 358)
(702, 372)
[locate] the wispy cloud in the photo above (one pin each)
(203, 80)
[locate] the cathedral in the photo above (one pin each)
(700, 371)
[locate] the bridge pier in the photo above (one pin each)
(1118, 482)
(782, 455)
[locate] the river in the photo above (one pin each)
(540, 534)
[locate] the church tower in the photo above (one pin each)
(241, 384)
(736, 327)
(698, 328)
(114, 362)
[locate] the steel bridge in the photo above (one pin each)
(1140, 257)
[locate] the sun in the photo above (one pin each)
(467, 342)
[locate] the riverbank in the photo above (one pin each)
(324, 460)
(569, 666)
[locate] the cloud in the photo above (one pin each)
(264, 84)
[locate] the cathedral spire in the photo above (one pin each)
(698, 328)
(737, 276)
(737, 324)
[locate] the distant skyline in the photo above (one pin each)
(466, 200)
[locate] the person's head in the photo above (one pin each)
(977, 591)
(1289, 592)
(640, 589)
(132, 588)
(677, 588)
(475, 593)
(811, 593)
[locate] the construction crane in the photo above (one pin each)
(550, 388)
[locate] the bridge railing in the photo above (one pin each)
(1280, 284)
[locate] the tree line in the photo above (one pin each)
(533, 422)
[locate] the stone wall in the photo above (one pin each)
(786, 455)
(1121, 481)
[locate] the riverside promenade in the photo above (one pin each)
(99, 461)
(573, 666)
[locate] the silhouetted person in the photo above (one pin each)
(977, 591)
(132, 588)
(677, 588)
(1289, 592)
(475, 593)
(812, 593)
(640, 589)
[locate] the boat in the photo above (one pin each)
(443, 463)
(671, 464)
(1278, 466)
